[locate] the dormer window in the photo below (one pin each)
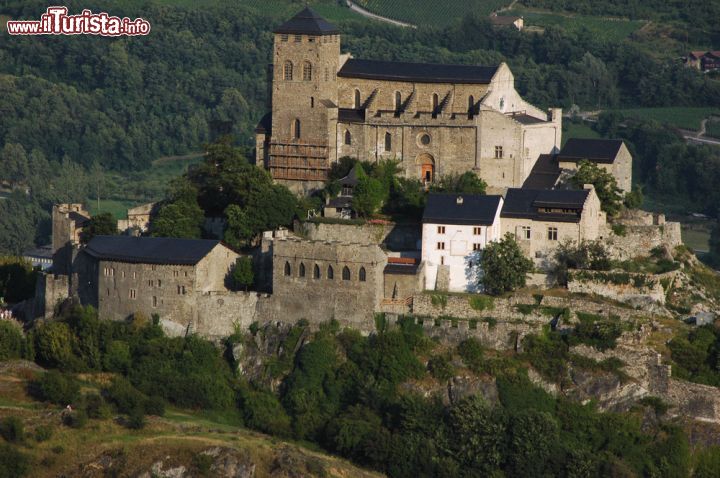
(284, 37)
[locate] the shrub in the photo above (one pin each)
(440, 367)
(53, 344)
(656, 403)
(202, 463)
(12, 430)
(95, 406)
(43, 433)
(439, 300)
(504, 266)
(117, 358)
(125, 397)
(76, 419)
(136, 419)
(13, 464)
(526, 309)
(481, 302)
(155, 406)
(262, 411)
(56, 387)
(471, 353)
(619, 230)
(11, 341)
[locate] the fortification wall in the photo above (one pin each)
(50, 289)
(394, 236)
(632, 288)
(220, 314)
(640, 240)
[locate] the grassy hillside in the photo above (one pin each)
(680, 117)
(610, 29)
(202, 443)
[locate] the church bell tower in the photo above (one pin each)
(306, 57)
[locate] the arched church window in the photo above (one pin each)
(288, 269)
(296, 129)
(388, 142)
(362, 275)
(348, 137)
(435, 102)
(356, 100)
(330, 273)
(471, 105)
(398, 101)
(302, 270)
(316, 272)
(346, 273)
(288, 70)
(307, 71)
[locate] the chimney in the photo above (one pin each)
(589, 186)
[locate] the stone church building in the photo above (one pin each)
(435, 119)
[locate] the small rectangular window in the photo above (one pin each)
(159, 283)
(155, 301)
(477, 247)
(311, 39)
(298, 38)
(552, 234)
(498, 152)
(525, 233)
(441, 229)
(133, 294)
(441, 246)
(284, 37)
(477, 231)
(134, 275)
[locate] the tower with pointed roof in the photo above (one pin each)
(304, 101)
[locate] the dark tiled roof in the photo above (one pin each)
(544, 174)
(401, 269)
(523, 118)
(79, 219)
(265, 124)
(524, 203)
(307, 22)
(349, 115)
(417, 72)
(340, 202)
(474, 209)
(596, 150)
(503, 19)
(352, 178)
(149, 250)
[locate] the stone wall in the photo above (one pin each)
(220, 314)
(640, 288)
(49, 291)
(393, 236)
(498, 335)
(640, 240)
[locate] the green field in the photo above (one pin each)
(713, 128)
(610, 29)
(680, 117)
(437, 13)
(115, 207)
(284, 9)
(578, 131)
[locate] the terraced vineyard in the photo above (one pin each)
(431, 12)
(610, 29)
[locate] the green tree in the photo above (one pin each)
(181, 216)
(242, 274)
(368, 195)
(465, 183)
(605, 185)
(103, 224)
(11, 341)
(53, 344)
(634, 199)
(478, 434)
(15, 168)
(13, 463)
(504, 267)
(715, 245)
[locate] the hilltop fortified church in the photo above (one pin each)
(434, 119)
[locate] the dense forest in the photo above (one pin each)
(74, 107)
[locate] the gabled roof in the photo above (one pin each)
(80, 219)
(265, 124)
(525, 203)
(307, 22)
(544, 173)
(504, 19)
(595, 150)
(417, 72)
(149, 250)
(466, 209)
(352, 177)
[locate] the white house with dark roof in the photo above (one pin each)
(456, 228)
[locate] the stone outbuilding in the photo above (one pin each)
(611, 155)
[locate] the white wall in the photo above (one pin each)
(458, 253)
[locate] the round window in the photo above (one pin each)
(425, 139)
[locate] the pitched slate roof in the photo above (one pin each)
(149, 250)
(417, 72)
(596, 150)
(401, 269)
(80, 219)
(544, 173)
(525, 203)
(523, 118)
(472, 209)
(307, 22)
(265, 124)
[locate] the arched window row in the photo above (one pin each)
(317, 273)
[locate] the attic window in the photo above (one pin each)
(284, 37)
(459, 200)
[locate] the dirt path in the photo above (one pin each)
(357, 8)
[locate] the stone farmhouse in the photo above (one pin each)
(138, 218)
(609, 154)
(434, 119)
(704, 61)
(507, 21)
(456, 228)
